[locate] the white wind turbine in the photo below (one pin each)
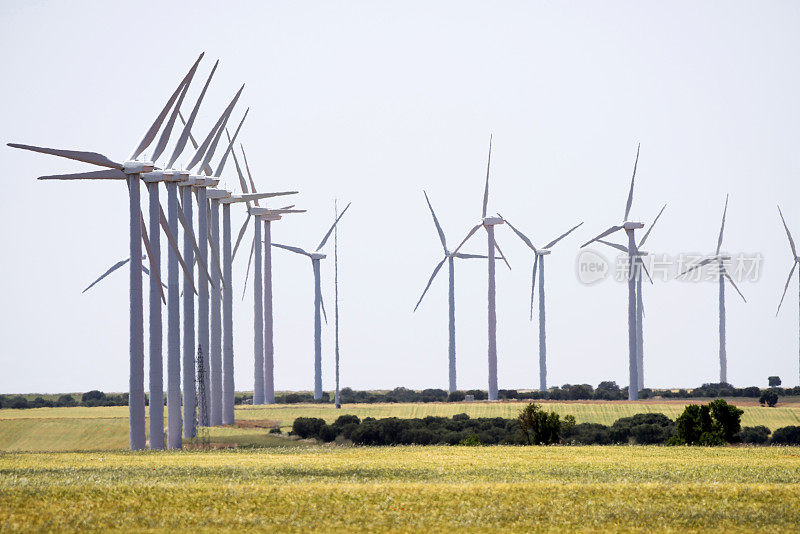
(315, 257)
(451, 300)
(722, 275)
(794, 263)
(131, 171)
(263, 346)
(639, 299)
(488, 224)
(538, 261)
(630, 227)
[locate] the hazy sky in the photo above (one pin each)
(372, 102)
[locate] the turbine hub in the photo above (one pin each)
(491, 221)
(318, 256)
(629, 225)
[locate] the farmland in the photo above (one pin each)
(405, 488)
(106, 428)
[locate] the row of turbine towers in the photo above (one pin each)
(636, 273)
(205, 339)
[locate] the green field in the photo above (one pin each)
(435, 489)
(106, 428)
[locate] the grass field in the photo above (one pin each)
(106, 428)
(436, 489)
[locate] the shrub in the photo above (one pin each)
(348, 419)
(770, 398)
(18, 403)
(327, 433)
(788, 435)
(456, 396)
(754, 434)
(275, 430)
(587, 434)
(460, 417)
(93, 395)
(478, 394)
(642, 428)
(66, 400)
(539, 427)
(471, 441)
(40, 402)
(307, 427)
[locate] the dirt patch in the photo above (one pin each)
(256, 423)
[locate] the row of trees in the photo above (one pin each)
(716, 423)
(90, 398)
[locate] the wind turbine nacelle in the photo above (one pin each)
(172, 175)
(201, 181)
(491, 221)
(632, 225)
(318, 256)
(217, 194)
(543, 251)
(137, 167)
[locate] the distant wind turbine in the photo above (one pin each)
(449, 258)
(538, 260)
(488, 224)
(315, 257)
(630, 227)
(722, 275)
(794, 263)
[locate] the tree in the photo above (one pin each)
(709, 424)
(756, 435)
(93, 397)
(539, 427)
(774, 381)
(770, 398)
(727, 419)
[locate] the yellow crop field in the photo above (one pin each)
(435, 489)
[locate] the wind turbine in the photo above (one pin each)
(488, 224)
(722, 275)
(315, 257)
(132, 172)
(263, 347)
(449, 258)
(630, 228)
(794, 263)
(639, 267)
(539, 255)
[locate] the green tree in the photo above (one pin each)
(770, 398)
(539, 427)
(774, 381)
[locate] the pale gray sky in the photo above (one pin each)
(371, 102)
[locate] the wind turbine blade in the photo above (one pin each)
(189, 233)
(430, 281)
(533, 281)
(296, 250)
(645, 270)
(207, 168)
(242, 181)
(604, 234)
(614, 245)
(324, 239)
(789, 279)
(153, 265)
(722, 228)
(105, 174)
(241, 235)
(470, 234)
(436, 222)
(503, 256)
(630, 193)
(167, 132)
(249, 261)
(151, 133)
(697, 265)
(322, 305)
(87, 157)
(562, 236)
(247, 167)
(644, 238)
(173, 244)
(788, 233)
(146, 271)
(208, 146)
(187, 126)
(486, 190)
(470, 256)
(113, 268)
(520, 234)
(725, 273)
(224, 158)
